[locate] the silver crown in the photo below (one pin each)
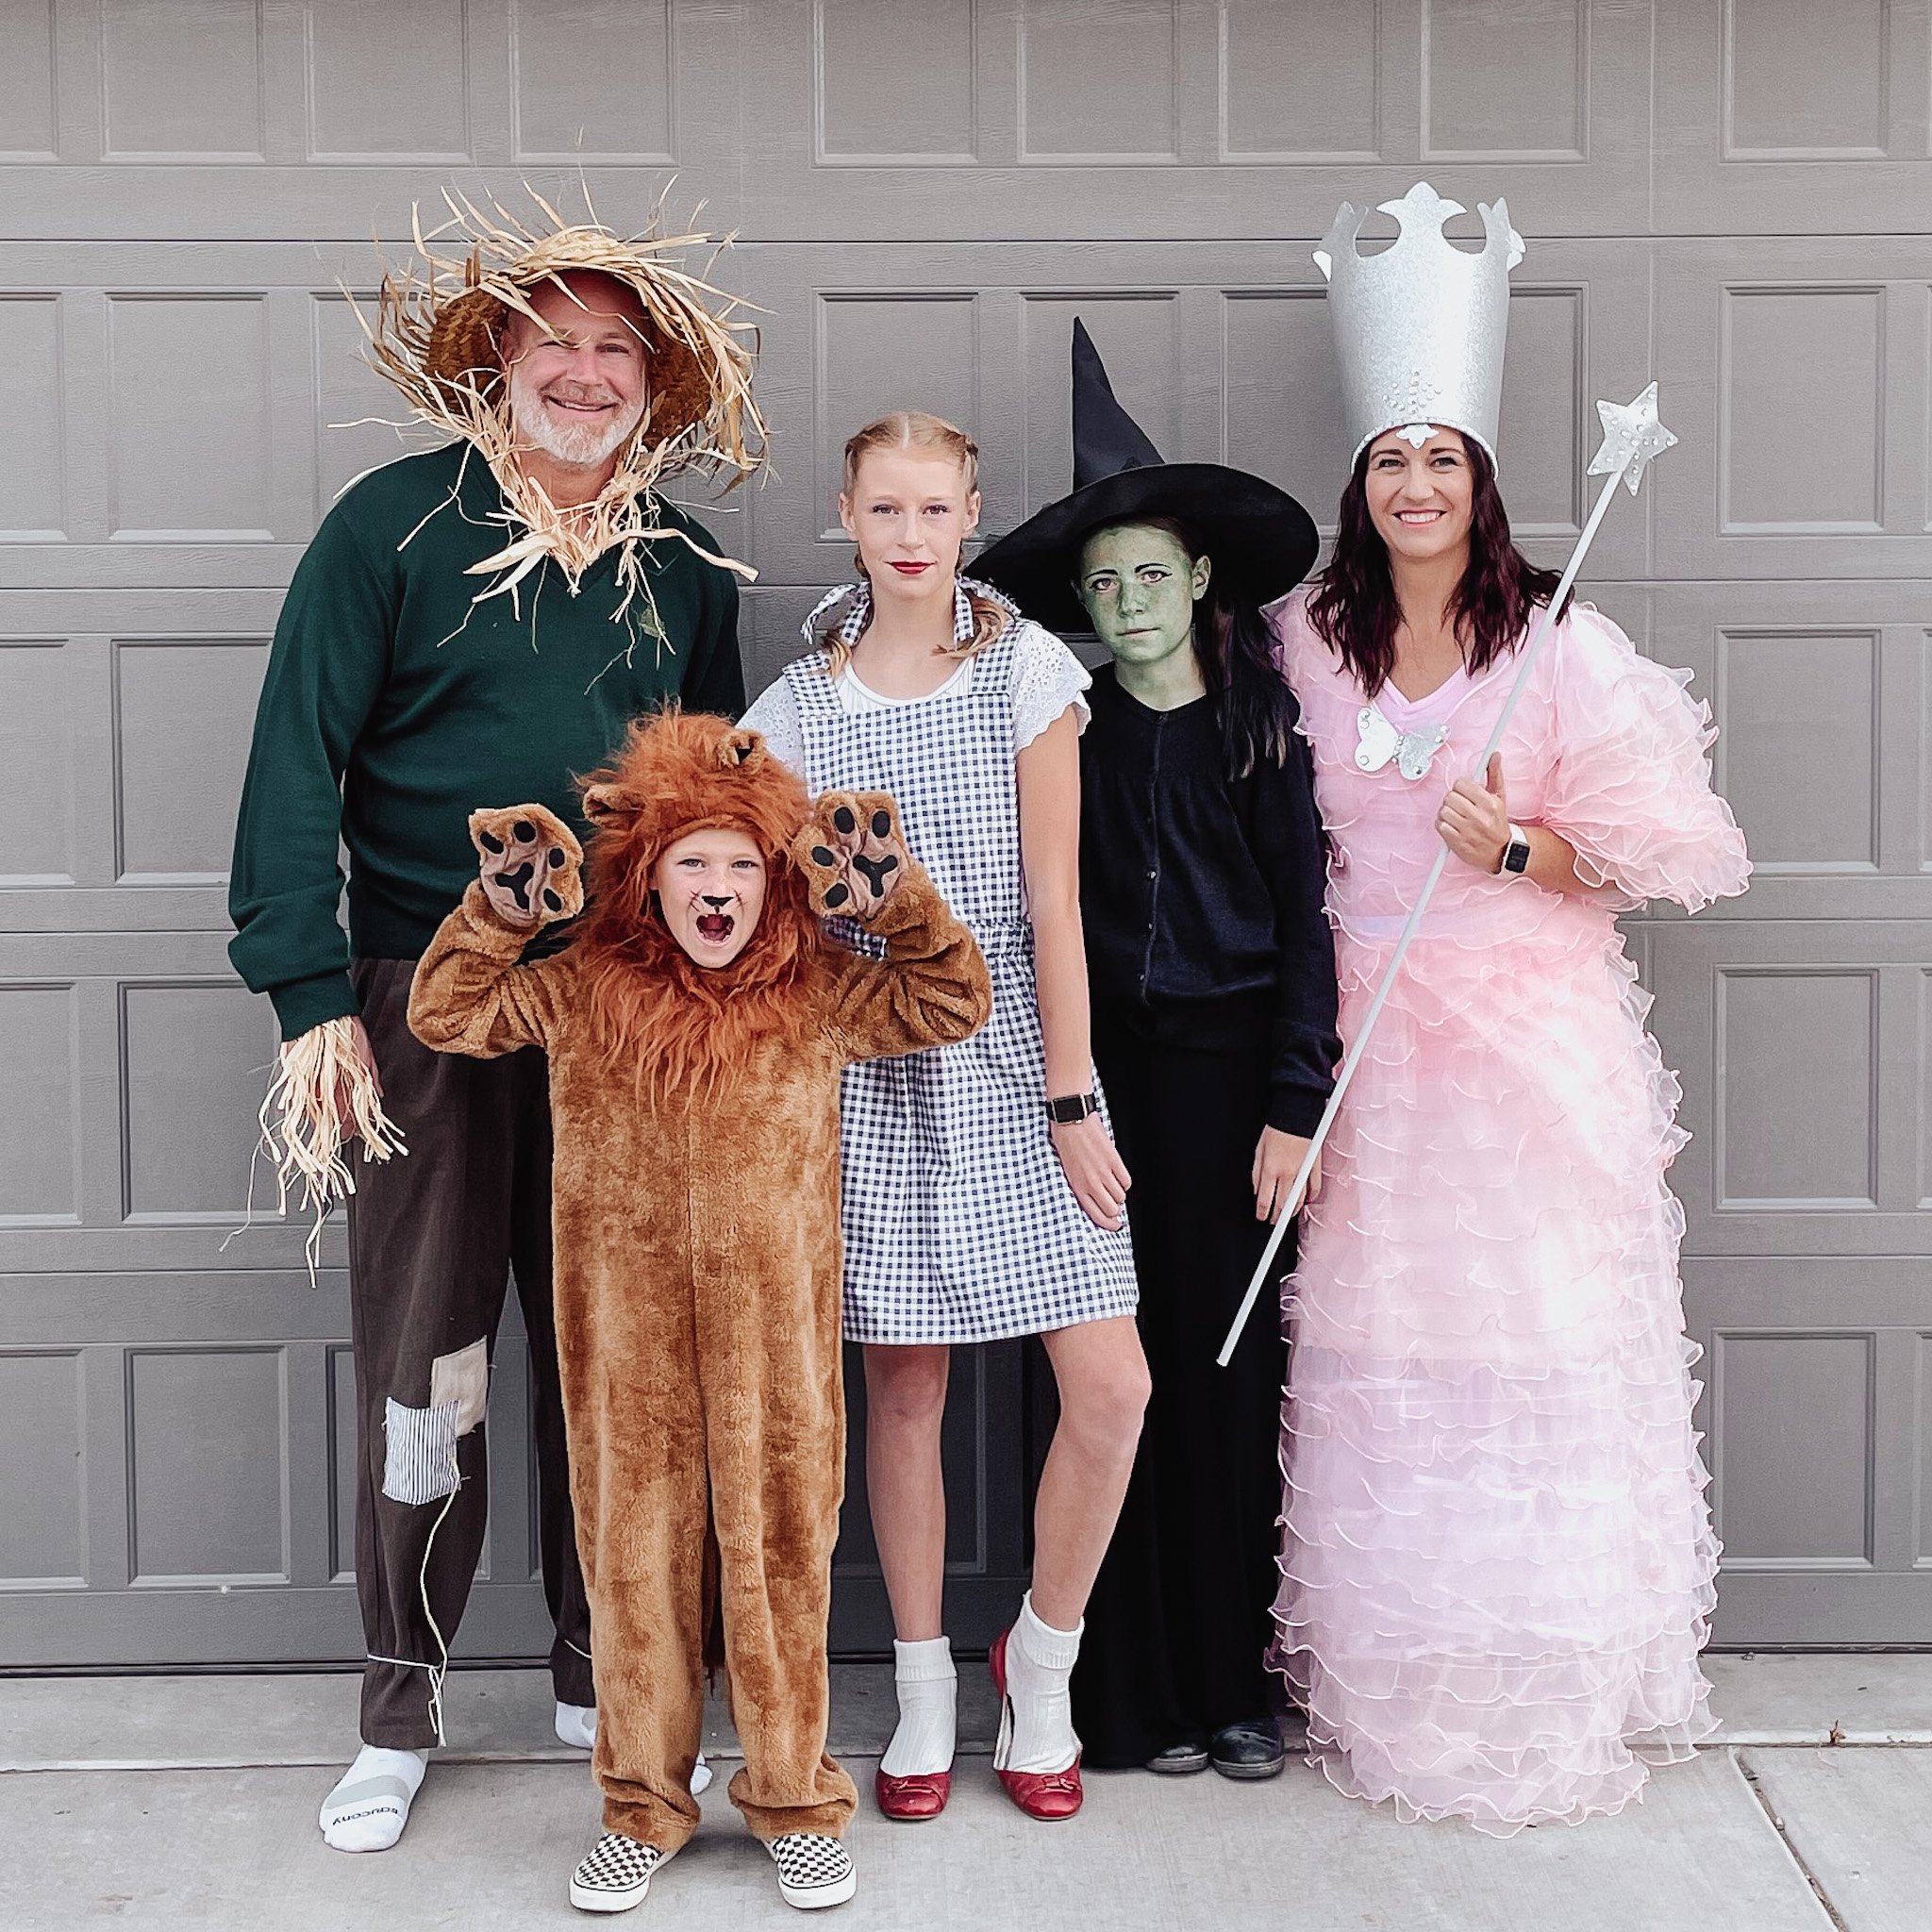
(1419, 329)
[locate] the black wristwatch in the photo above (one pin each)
(1516, 854)
(1070, 1107)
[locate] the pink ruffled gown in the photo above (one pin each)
(1498, 1564)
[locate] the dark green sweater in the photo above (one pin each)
(393, 709)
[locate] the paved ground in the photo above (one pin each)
(190, 1803)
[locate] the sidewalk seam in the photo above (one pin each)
(1797, 1858)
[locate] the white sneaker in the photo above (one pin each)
(615, 1876)
(814, 1870)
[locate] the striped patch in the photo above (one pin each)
(420, 1462)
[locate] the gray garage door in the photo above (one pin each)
(1733, 197)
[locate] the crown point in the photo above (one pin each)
(1422, 209)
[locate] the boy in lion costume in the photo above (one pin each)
(696, 1026)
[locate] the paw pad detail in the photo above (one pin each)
(531, 864)
(854, 852)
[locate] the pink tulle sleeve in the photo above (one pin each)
(1630, 787)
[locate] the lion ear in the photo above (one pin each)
(744, 750)
(609, 804)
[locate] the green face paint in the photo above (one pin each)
(1139, 587)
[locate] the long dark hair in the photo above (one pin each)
(1253, 705)
(1354, 609)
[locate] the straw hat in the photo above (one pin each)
(462, 350)
(436, 335)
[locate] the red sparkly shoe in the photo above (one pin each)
(916, 1797)
(1048, 1795)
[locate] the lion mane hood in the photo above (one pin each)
(646, 999)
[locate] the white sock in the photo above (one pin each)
(369, 1804)
(1040, 1669)
(927, 1685)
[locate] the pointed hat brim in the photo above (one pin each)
(1261, 541)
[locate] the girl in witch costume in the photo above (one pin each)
(1213, 979)
(1498, 1562)
(983, 1194)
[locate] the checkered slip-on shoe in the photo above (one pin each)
(814, 1870)
(615, 1876)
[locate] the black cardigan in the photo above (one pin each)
(1202, 897)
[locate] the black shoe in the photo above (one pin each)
(1251, 1750)
(1191, 1754)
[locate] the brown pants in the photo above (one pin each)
(433, 1238)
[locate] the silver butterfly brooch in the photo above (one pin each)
(1380, 741)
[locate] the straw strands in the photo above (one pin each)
(435, 337)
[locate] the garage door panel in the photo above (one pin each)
(196, 1060)
(1782, 364)
(190, 387)
(1787, 1496)
(592, 82)
(1830, 826)
(184, 714)
(1799, 1047)
(44, 1528)
(40, 1151)
(1820, 694)
(387, 81)
(1780, 117)
(1304, 86)
(1796, 1126)
(33, 482)
(1816, 1431)
(156, 103)
(207, 1455)
(27, 111)
(36, 761)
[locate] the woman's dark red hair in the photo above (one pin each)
(1354, 609)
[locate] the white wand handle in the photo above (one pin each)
(1632, 435)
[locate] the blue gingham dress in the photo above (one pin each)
(958, 1223)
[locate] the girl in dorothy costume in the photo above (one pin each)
(983, 1195)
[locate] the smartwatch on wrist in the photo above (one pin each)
(1515, 854)
(1070, 1107)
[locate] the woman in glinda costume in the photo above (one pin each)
(1498, 1562)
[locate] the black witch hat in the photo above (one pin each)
(1262, 542)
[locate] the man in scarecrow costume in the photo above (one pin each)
(695, 1028)
(478, 620)
(1212, 973)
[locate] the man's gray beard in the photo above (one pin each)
(582, 447)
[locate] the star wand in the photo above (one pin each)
(1632, 436)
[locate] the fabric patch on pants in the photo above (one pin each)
(464, 1379)
(420, 1462)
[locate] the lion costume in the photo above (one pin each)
(696, 1229)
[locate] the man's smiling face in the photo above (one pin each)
(576, 393)
(711, 887)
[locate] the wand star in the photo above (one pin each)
(1632, 435)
